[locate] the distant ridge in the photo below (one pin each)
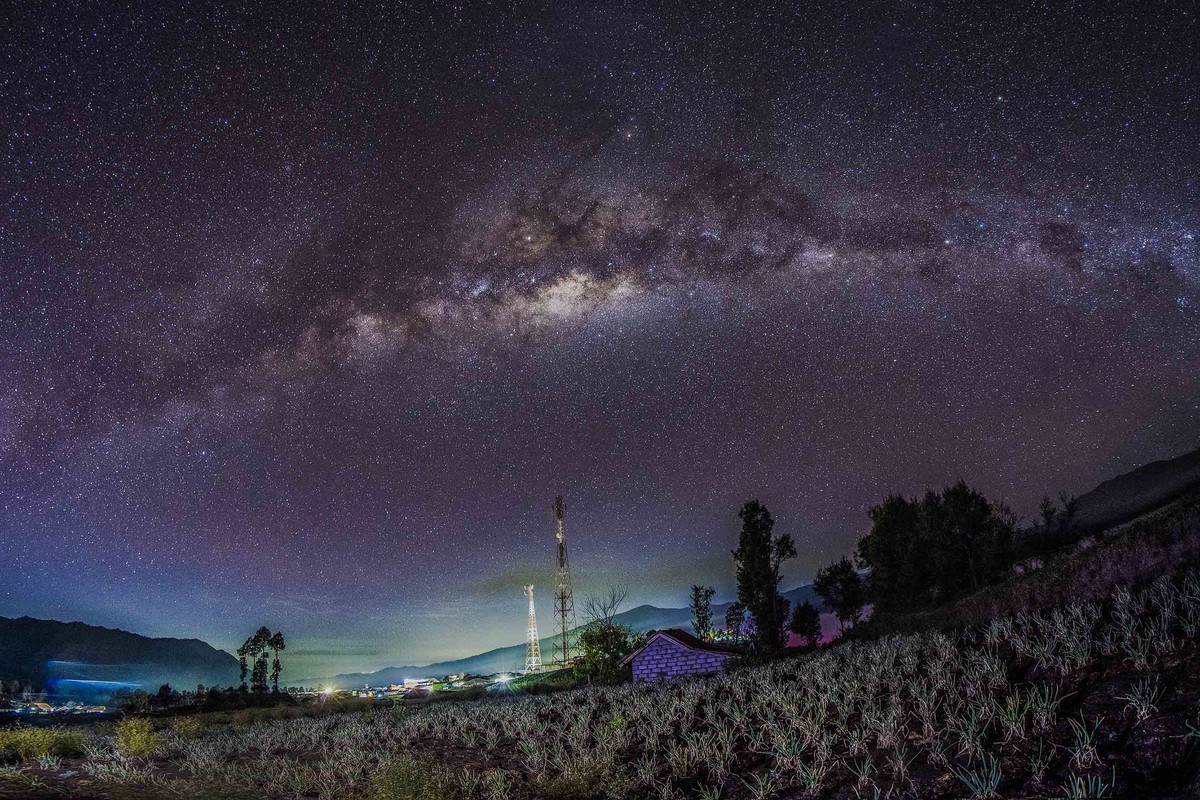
(1144, 489)
(73, 657)
(512, 658)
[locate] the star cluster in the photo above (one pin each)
(306, 315)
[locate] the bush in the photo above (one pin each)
(546, 682)
(30, 744)
(603, 646)
(253, 716)
(136, 737)
(409, 779)
(187, 727)
(461, 695)
(232, 699)
(586, 780)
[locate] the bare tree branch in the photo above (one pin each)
(602, 608)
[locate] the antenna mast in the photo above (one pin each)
(533, 648)
(564, 610)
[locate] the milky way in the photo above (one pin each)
(305, 318)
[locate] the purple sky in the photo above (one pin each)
(305, 319)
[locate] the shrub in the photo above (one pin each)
(136, 737)
(546, 682)
(30, 744)
(467, 694)
(588, 784)
(188, 727)
(69, 744)
(604, 644)
(409, 779)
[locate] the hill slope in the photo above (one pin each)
(1136, 492)
(74, 658)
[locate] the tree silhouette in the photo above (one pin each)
(1070, 509)
(256, 650)
(925, 552)
(277, 645)
(842, 589)
(262, 641)
(735, 616)
(1048, 512)
(897, 551)
(806, 623)
(757, 559)
(702, 610)
(243, 653)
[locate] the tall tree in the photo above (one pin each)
(277, 645)
(735, 617)
(842, 589)
(243, 653)
(897, 551)
(1056, 520)
(921, 553)
(1070, 506)
(1048, 512)
(806, 624)
(702, 610)
(972, 546)
(256, 650)
(757, 559)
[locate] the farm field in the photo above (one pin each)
(1088, 700)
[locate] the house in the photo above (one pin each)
(674, 653)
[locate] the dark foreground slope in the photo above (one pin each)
(1092, 700)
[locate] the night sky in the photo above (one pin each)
(307, 315)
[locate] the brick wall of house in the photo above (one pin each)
(666, 658)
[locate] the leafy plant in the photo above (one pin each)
(409, 779)
(1090, 787)
(136, 737)
(1143, 697)
(1083, 749)
(187, 727)
(31, 744)
(982, 781)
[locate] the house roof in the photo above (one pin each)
(685, 639)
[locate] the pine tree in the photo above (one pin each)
(277, 645)
(243, 654)
(758, 559)
(702, 610)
